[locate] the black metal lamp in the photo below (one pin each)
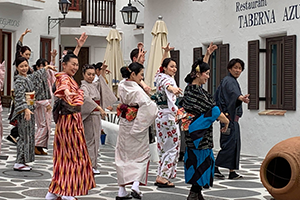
(64, 9)
(64, 6)
(129, 14)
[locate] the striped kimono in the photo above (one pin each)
(43, 118)
(35, 82)
(72, 167)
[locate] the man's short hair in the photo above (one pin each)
(134, 54)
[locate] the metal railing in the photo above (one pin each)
(95, 12)
(98, 12)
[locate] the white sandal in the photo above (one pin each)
(21, 167)
(51, 196)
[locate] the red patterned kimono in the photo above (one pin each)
(72, 167)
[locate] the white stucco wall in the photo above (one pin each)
(97, 34)
(32, 15)
(193, 24)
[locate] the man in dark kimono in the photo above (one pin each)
(229, 99)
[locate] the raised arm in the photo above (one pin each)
(212, 47)
(141, 56)
(23, 34)
(166, 49)
(80, 43)
(53, 55)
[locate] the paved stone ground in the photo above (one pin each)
(33, 185)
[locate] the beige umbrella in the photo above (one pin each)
(114, 57)
(159, 40)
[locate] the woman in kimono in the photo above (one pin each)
(2, 75)
(72, 167)
(21, 51)
(27, 88)
(137, 112)
(197, 114)
(229, 98)
(43, 113)
(167, 131)
(92, 110)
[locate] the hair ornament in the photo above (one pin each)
(161, 69)
(198, 68)
(129, 70)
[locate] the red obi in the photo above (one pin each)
(98, 103)
(127, 112)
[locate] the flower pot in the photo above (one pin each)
(103, 137)
(280, 171)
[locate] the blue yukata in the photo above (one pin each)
(199, 160)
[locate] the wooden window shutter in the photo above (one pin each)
(253, 74)
(197, 53)
(175, 54)
(222, 62)
(289, 73)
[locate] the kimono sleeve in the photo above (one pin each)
(64, 82)
(88, 105)
(20, 99)
(108, 98)
(231, 92)
(146, 113)
(40, 82)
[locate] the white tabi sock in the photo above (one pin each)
(122, 192)
(135, 186)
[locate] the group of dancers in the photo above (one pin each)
(77, 112)
(193, 116)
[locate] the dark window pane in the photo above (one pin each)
(274, 74)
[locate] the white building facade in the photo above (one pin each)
(265, 35)
(95, 17)
(15, 17)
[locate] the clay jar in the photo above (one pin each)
(280, 171)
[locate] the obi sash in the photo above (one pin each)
(98, 103)
(185, 117)
(30, 98)
(127, 112)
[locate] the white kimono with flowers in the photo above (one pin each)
(132, 148)
(167, 131)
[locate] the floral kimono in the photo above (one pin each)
(167, 131)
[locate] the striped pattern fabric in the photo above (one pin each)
(43, 121)
(72, 167)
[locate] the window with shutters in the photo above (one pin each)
(218, 65)
(280, 91)
(175, 54)
(281, 73)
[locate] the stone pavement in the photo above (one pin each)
(33, 185)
